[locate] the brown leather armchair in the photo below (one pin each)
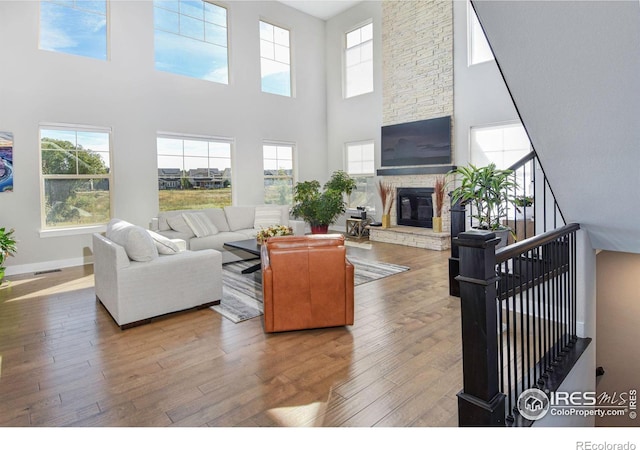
(307, 282)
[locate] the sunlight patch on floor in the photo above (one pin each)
(310, 415)
(22, 289)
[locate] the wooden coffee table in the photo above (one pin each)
(249, 246)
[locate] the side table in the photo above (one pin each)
(357, 227)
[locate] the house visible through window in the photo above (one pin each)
(360, 166)
(359, 61)
(275, 59)
(479, 50)
(193, 172)
(278, 173)
(76, 176)
(191, 39)
(77, 27)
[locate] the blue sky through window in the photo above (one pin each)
(191, 39)
(76, 27)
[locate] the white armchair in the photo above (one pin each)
(134, 292)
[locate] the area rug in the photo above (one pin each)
(242, 294)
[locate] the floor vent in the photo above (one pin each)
(47, 271)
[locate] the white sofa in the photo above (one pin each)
(231, 223)
(139, 276)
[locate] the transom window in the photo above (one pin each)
(76, 176)
(359, 61)
(361, 166)
(191, 39)
(275, 59)
(193, 172)
(278, 173)
(76, 27)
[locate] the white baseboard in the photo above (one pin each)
(47, 265)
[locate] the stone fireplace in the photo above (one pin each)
(418, 231)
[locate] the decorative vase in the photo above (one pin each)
(319, 229)
(386, 221)
(437, 224)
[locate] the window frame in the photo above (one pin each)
(294, 172)
(69, 230)
(367, 175)
(472, 20)
(227, 46)
(290, 64)
(195, 137)
(107, 16)
(345, 70)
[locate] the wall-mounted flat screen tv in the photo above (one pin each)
(418, 143)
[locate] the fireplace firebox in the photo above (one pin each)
(415, 207)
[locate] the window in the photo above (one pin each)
(193, 172)
(77, 27)
(191, 39)
(503, 145)
(275, 59)
(361, 166)
(359, 61)
(479, 50)
(76, 176)
(278, 173)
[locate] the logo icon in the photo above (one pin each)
(533, 404)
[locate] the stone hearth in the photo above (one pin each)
(411, 237)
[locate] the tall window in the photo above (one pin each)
(361, 166)
(278, 173)
(76, 176)
(479, 50)
(77, 27)
(193, 172)
(191, 39)
(275, 59)
(359, 61)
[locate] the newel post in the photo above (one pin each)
(480, 403)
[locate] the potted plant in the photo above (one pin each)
(322, 207)
(524, 207)
(7, 248)
(488, 191)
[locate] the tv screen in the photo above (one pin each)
(417, 143)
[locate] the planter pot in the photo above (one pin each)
(386, 221)
(503, 235)
(319, 229)
(437, 224)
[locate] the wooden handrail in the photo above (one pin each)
(513, 250)
(522, 161)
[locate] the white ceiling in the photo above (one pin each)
(322, 9)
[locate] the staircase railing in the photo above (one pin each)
(518, 308)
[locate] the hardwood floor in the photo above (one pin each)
(64, 362)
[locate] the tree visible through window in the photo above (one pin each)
(191, 39)
(193, 173)
(278, 174)
(77, 27)
(76, 176)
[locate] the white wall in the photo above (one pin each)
(129, 95)
(357, 118)
(480, 95)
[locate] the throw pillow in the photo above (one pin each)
(164, 245)
(136, 241)
(267, 216)
(178, 224)
(200, 224)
